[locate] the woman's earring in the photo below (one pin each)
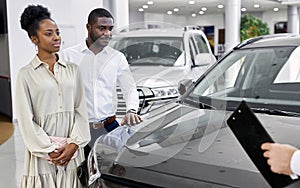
(35, 47)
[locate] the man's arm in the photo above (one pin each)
(131, 96)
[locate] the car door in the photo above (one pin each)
(199, 56)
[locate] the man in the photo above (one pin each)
(282, 158)
(102, 68)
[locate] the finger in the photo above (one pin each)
(123, 121)
(133, 119)
(269, 162)
(266, 146)
(63, 163)
(267, 154)
(60, 163)
(141, 120)
(129, 119)
(137, 119)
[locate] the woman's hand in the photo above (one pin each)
(62, 156)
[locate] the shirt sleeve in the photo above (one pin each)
(295, 163)
(80, 134)
(128, 85)
(35, 138)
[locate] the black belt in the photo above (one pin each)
(103, 123)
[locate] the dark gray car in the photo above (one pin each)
(187, 143)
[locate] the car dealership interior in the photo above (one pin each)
(219, 20)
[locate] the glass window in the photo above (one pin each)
(150, 50)
(201, 43)
(262, 75)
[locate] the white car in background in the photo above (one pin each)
(159, 59)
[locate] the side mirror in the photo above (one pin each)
(183, 85)
(204, 59)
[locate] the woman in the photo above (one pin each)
(50, 104)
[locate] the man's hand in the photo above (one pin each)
(131, 119)
(63, 155)
(279, 157)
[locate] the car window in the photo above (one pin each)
(150, 50)
(290, 72)
(264, 75)
(201, 43)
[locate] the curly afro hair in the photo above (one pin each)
(31, 17)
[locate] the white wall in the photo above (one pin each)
(166, 20)
(135, 16)
(71, 15)
(216, 20)
(272, 17)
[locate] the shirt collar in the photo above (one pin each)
(36, 62)
(84, 48)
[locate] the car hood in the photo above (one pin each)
(157, 76)
(195, 147)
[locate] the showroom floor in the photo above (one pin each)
(11, 160)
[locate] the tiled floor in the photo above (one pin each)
(11, 160)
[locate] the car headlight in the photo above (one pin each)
(165, 92)
(145, 92)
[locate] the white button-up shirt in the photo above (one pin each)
(101, 73)
(295, 163)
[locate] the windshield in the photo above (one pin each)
(166, 51)
(268, 76)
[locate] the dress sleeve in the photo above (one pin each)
(295, 163)
(35, 138)
(80, 134)
(127, 84)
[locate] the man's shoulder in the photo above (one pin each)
(114, 52)
(72, 54)
(111, 50)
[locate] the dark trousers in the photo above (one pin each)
(95, 133)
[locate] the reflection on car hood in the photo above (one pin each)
(196, 146)
(157, 76)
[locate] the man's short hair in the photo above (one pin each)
(98, 12)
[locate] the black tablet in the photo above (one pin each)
(251, 135)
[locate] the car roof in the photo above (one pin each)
(168, 32)
(271, 41)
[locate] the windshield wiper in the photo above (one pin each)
(196, 103)
(275, 112)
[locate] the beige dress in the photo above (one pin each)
(50, 104)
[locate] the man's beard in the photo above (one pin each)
(96, 41)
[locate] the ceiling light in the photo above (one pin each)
(220, 6)
(256, 5)
(204, 8)
(150, 2)
(275, 9)
(243, 9)
(175, 9)
(141, 9)
(201, 12)
(191, 2)
(145, 6)
(194, 15)
(290, 2)
(169, 12)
